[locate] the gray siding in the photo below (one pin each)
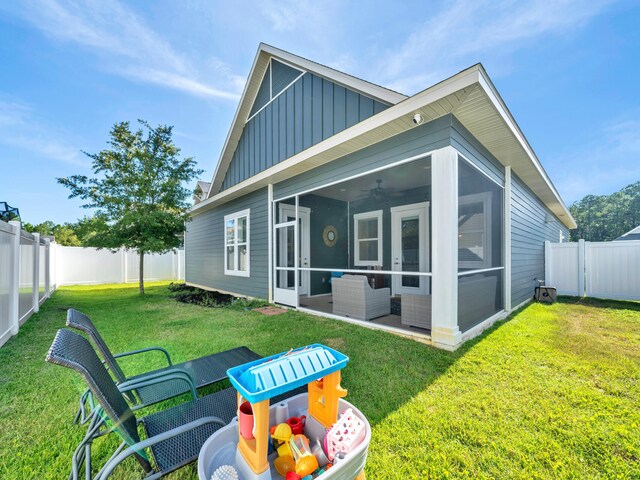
(422, 139)
(309, 111)
(531, 224)
(204, 248)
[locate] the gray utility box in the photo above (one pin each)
(545, 294)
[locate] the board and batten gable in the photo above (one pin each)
(531, 225)
(205, 248)
(307, 112)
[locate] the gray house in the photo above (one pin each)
(425, 215)
(633, 234)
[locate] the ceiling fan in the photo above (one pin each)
(379, 192)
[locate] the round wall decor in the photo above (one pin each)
(330, 235)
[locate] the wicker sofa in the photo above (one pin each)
(354, 298)
(416, 310)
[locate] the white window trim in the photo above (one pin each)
(234, 271)
(376, 214)
(485, 199)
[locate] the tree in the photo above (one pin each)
(64, 234)
(606, 217)
(137, 191)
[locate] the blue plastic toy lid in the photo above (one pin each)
(268, 377)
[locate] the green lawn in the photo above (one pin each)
(553, 392)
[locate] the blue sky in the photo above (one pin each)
(568, 70)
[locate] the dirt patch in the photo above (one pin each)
(270, 310)
(335, 343)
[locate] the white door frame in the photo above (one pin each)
(421, 210)
(304, 214)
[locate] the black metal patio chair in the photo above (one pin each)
(174, 435)
(201, 371)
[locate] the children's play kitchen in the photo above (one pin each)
(313, 435)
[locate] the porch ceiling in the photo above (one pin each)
(469, 95)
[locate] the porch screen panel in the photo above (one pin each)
(376, 222)
(480, 246)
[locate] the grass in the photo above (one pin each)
(551, 393)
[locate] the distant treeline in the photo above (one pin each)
(77, 234)
(606, 217)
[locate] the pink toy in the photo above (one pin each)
(345, 435)
(245, 419)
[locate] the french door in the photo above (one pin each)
(291, 251)
(410, 247)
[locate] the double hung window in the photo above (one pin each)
(236, 239)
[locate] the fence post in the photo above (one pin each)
(548, 264)
(35, 300)
(47, 268)
(583, 280)
(125, 266)
(15, 280)
(176, 266)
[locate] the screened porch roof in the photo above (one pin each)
(469, 95)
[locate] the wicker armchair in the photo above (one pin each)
(354, 298)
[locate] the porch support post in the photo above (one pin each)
(444, 194)
(270, 243)
(507, 238)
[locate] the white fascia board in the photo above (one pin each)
(504, 112)
(462, 80)
(233, 123)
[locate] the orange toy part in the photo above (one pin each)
(284, 465)
(255, 450)
(324, 395)
(306, 465)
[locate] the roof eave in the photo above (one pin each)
(465, 79)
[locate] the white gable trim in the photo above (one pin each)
(258, 68)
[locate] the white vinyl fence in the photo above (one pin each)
(31, 268)
(90, 266)
(24, 277)
(595, 269)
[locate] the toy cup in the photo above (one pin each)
(297, 424)
(245, 420)
(306, 463)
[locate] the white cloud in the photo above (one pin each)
(602, 167)
(126, 46)
(300, 15)
(21, 128)
(465, 31)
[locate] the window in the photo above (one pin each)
(236, 239)
(367, 233)
(474, 231)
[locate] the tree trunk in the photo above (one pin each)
(141, 282)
